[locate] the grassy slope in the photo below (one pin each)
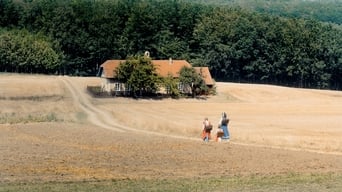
(291, 182)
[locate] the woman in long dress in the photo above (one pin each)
(223, 124)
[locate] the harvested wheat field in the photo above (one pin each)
(51, 130)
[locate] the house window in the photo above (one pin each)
(128, 87)
(180, 86)
(117, 87)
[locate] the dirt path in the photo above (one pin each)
(100, 117)
(96, 116)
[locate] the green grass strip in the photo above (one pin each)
(289, 182)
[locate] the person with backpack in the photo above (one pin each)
(207, 127)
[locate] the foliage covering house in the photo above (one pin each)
(164, 68)
(205, 74)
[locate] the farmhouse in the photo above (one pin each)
(164, 68)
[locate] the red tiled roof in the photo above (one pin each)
(109, 67)
(205, 73)
(163, 67)
(172, 67)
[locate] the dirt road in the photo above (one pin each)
(100, 117)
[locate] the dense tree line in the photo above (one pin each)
(75, 37)
(326, 11)
(259, 48)
(21, 51)
(321, 10)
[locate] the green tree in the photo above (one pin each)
(191, 81)
(171, 85)
(10, 13)
(21, 51)
(140, 75)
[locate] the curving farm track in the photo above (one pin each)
(100, 117)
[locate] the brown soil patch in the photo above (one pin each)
(275, 130)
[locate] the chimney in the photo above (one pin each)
(170, 61)
(147, 54)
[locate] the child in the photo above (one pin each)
(207, 127)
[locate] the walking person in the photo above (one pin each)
(223, 124)
(206, 129)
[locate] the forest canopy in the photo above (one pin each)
(321, 10)
(238, 42)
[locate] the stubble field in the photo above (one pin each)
(54, 135)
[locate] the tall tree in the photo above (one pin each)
(21, 51)
(140, 75)
(191, 80)
(10, 13)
